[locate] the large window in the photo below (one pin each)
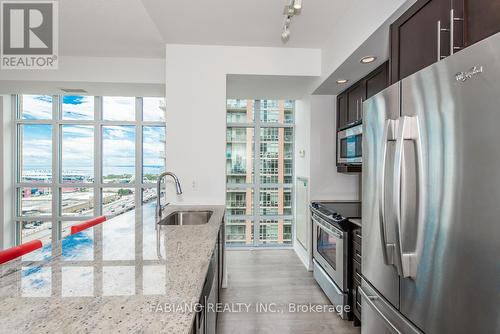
(83, 156)
(259, 172)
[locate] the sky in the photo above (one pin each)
(78, 140)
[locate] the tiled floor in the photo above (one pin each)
(278, 277)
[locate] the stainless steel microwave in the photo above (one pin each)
(349, 145)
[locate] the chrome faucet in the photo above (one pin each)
(158, 193)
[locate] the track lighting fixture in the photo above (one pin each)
(293, 8)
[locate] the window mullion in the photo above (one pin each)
(56, 172)
(256, 202)
(138, 152)
(98, 156)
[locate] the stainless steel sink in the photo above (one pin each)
(187, 218)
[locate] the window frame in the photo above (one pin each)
(56, 185)
(256, 185)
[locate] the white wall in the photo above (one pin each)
(96, 75)
(326, 183)
(315, 129)
(196, 108)
(303, 137)
(269, 87)
(6, 173)
(96, 69)
(302, 142)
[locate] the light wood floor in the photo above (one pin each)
(275, 276)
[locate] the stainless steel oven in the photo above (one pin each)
(331, 249)
(328, 249)
(349, 146)
(330, 262)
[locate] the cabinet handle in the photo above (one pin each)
(357, 109)
(439, 31)
(360, 108)
(453, 19)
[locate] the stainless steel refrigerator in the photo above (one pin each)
(431, 199)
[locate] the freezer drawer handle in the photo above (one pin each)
(370, 299)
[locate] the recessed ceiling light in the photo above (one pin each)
(342, 81)
(367, 59)
(297, 4)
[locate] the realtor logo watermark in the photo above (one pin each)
(29, 35)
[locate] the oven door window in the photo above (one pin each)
(327, 247)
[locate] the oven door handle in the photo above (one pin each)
(330, 229)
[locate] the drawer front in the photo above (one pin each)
(356, 298)
(356, 250)
(356, 271)
(356, 235)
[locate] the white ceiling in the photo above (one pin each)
(243, 22)
(140, 28)
(107, 28)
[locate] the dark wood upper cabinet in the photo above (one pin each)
(482, 19)
(414, 38)
(431, 30)
(356, 95)
(377, 81)
(350, 102)
(350, 105)
(342, 110)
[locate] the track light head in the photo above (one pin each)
(285, 35)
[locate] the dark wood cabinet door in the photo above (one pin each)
(356, 97)
(377, 81)
(414, 37)
(482, 19)
(341, 110)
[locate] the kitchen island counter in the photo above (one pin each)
(119, 276)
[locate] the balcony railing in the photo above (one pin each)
(236, 204)
(236, 104)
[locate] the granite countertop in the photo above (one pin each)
(120, 276)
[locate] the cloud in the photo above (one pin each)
(77, 147)
(78, 107)
(36, 106)
(153, 108)
(37, 153)
(118, 108)
(153, 145)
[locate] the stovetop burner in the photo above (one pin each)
(338, 211)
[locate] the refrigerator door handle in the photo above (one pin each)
(407, 262)
(370, 301)
(388, 249)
